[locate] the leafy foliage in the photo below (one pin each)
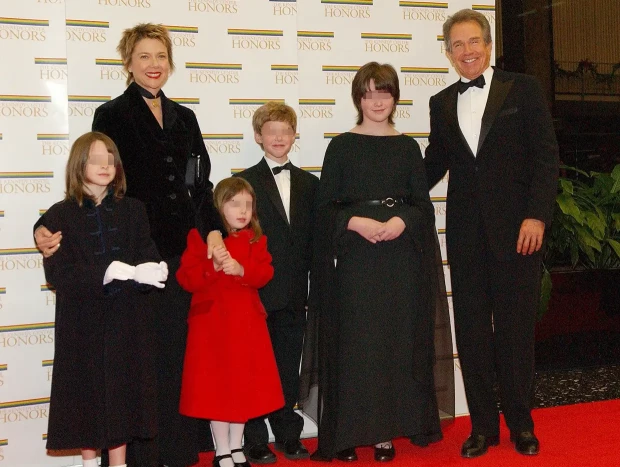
(586, 225)
(585, 233)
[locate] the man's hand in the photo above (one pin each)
(391, 229)
(530, 236)
(366, 227)
(214, 239)
(47, 243)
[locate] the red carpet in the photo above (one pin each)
(582, 435)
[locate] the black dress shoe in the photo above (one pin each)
(384, 454)
(292, 449)
(217, 459)
(245, 463)
(477, 445)
(317, 456)
(347, 455)
(259, 454)
(526, 443)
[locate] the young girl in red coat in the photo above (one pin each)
(230, 373)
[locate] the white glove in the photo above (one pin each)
(152, 274)
(119, 271)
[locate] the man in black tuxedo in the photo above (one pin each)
(493, 131)
(285, 204)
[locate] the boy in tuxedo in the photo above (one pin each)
(285, 204)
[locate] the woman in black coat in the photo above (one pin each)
(167, 167)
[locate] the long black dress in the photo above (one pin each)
(104, 383)
(372, 315)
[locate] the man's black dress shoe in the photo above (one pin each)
(526, 443)
(347, 455)
(259, 454)
(292, 449)
(477, 445)
(317, 456)
(384, 454)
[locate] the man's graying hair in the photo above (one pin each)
(464, 16)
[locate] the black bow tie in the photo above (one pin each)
(276, 170)
(479, 82)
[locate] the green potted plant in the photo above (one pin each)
(585, 233)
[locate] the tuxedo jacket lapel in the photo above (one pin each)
(452, 116)
(269, 184)
(497, 95)
(296, 192)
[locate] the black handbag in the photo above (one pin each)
(194, 173)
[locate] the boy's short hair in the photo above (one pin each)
(274, 111)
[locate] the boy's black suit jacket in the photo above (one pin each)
(290, 244)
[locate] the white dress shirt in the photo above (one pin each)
(470, 108)
(283, 181)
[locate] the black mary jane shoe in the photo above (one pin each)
(245, 463)
(385, 454)
(347, 455)
(217, 459)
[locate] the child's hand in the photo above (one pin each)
(391, 229)
(219, 255)
(152, 274)
(119, 271)
(231, 267)
(367, 228)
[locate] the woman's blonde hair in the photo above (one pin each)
(132, 36)
(75, 175)
(225, 191)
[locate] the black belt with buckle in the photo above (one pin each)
(388, 202)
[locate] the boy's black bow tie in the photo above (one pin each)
(479, 82)
(276, 170)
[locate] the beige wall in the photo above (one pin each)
(586, 29)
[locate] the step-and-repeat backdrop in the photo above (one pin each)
(59, 63)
